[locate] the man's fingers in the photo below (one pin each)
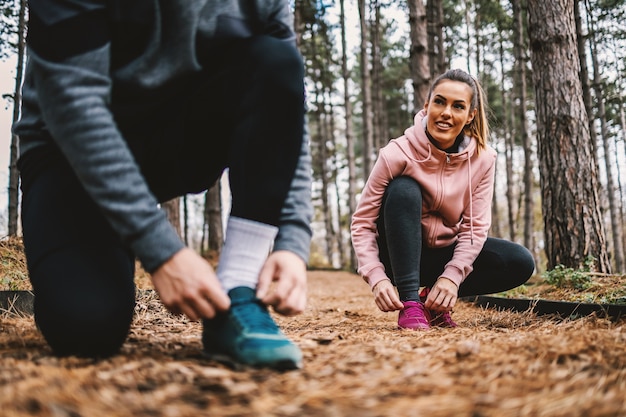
(218, 300)
(187, 285)
(194, 308)
(286, 300)
(265, 280)
(292, 306)
(202, 303)
(288, 297)
(188, 311)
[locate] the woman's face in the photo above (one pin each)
(449, 110)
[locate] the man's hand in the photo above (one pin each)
(442, 296)
(187, 284)
(289, 295)
(386, 297)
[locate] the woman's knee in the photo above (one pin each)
(522, 263)
(517, 261)
(403, 191)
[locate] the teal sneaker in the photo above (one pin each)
(247, 334)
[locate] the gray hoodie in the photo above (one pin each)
(80, 50)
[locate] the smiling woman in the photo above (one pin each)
(449, 110)
(425, 211)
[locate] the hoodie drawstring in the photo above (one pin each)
(469, 180)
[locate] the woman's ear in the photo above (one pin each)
(470, 117)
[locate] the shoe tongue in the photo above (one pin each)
(242, 294)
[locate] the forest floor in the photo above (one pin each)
(356, 363)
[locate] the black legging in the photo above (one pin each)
(246, 115)
(500, 266)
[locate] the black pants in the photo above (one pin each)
(245, 113)
(500, 266)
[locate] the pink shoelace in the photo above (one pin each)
(437, 319)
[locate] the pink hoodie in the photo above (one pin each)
(456, 189)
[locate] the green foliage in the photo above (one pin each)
(563, 277)
(13, 271)
(11, 284)
(9, 20)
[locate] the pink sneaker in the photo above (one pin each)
(437, 319)
(413, 316)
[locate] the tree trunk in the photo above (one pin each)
(339, 240)
(495, 209)
(326, 181)
(508, 144)
(442, 56)
(569, 178)
(621, 137)
(185, 220)
(584, 76)
(297, 21)
(510, 178)
(172, 209)
(418, 56)
(468, 25)
(379, 137)
(14, 176)
(349, 132)
(321, 157)
(477, 36)
(614, 211)
(322, 160)
(520, 50)
(366, 89)
(214, 217)
(434, 28)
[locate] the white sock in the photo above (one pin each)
(246, 248)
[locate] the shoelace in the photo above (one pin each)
(414, 311)
(251, 313)
(417, 311)
(444, 317)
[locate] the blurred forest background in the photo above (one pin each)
(555, 78)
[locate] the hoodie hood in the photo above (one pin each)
(424, 149)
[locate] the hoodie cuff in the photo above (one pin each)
(295, 239)
(157, 245)
(454, 274)
(375, 276)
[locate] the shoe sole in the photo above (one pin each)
(224, 359)
(414, 328)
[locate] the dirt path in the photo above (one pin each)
(356, 364)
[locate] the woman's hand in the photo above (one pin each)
(386, 297)
(442, 296)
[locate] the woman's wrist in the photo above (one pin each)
(442, 277)
(378, 283)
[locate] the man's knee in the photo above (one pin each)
(84, 328)
(278, 60)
